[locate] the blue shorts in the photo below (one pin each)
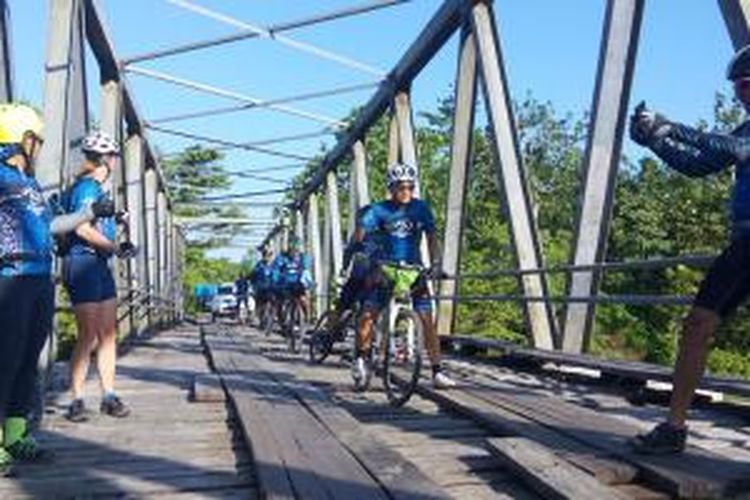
(378, 293)
(88, 278)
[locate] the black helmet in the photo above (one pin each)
(739, 66)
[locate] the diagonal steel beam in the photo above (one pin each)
(253, 101)
(276, 28)
(196, 137)
(432, 38)
(617, 57)
(284, 100)
(285, 40)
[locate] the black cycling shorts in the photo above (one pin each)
(727, 283)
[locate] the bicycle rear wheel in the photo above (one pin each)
(321, 340)
(293, 320)
(402, 362)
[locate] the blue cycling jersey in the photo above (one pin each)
(290, 270)
(400, 228)
(25, 240)
(697, 153)
(85, 192)
(262, 276)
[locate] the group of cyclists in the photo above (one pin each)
(390, 231)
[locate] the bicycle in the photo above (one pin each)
(398, 335)
(292, 316)
(322, 339)
(265, 313)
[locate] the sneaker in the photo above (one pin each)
(664, 439)
(360, 373)
(6, 463)
(27, 450)
(114, 407)
(442, 381)
(77, 412)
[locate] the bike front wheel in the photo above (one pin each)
(402, 361)
(321, 340)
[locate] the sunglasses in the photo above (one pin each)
(405, 187)
(742, 84)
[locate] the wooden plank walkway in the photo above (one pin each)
(449, 435)
(169, 447)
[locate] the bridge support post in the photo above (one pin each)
(610, 108)
(737, 19)
(299, 227)
(111, 123)
(539, 315)
(6, 59)
(152, 248)
(333, 224)
(134, 165)
(65, 109)
(313, 228)
(161, 236)
(463, 127)
(359, 195)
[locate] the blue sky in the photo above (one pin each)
(550, 48)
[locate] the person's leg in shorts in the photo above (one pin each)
(725, 286)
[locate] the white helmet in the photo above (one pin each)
(99, 142)
(401, 173)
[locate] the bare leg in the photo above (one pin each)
(86, 320)
(107, 352)
(432, 342)
(699, 327)
(366, 330)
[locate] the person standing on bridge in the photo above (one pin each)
(398, 225)
(727, 283)
(88, 278)
(26, 287)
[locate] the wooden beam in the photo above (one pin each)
(461, 156)
(540, 317)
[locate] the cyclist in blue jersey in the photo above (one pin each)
(727, 284)
(26, 287)
(359, 259)
(399, 223)
(262, 280)
(242, 293)
(292, 276)
(89, 281)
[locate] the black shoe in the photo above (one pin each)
(28, 451)
(77, 412)
(6, 463)
(114, 407)
(664, 439)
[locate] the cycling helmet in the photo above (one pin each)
(16, 120)
(294, 243)
(401, 173)
(101, 143)
(739, 66)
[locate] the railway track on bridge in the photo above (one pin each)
(503, 434)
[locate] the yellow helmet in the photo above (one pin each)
(16, 120)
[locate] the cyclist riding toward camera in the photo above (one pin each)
(261, 280)
(290, 275)
(399, 224)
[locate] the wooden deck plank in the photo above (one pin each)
(312, 462)
(550, 476)
(167, 446)
(399, 477)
